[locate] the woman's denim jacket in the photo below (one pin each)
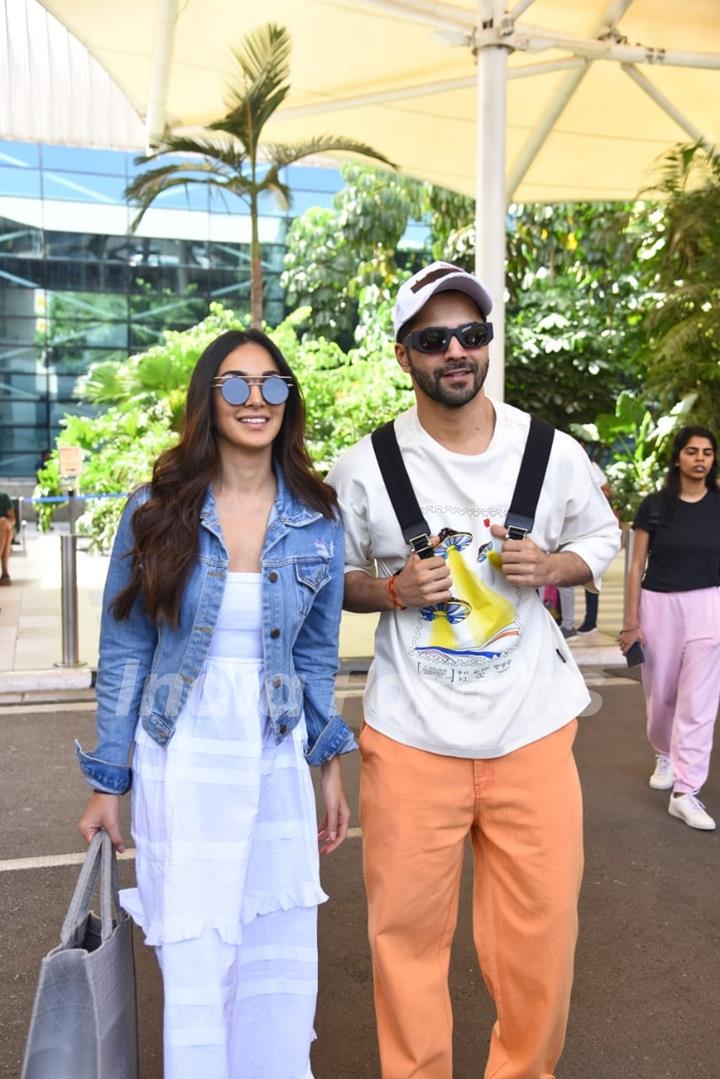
(145, 672)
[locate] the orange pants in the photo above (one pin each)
(523, 813)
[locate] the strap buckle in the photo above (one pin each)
(420, 543)
(517, 526)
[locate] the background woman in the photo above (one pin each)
(218, 652)
(673, 608)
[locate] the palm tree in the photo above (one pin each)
(684, 325)
(229, 154)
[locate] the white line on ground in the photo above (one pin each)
(52, 861)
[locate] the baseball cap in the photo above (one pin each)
(438, 277)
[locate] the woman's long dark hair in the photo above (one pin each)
(166, 527)
(671, 486)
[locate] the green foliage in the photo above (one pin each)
(229, 156)
(682, 270)
(346, 394)
(574, 313)
(639, 447)
(335, 256)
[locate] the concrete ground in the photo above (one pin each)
(647, 995)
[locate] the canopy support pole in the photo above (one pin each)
(490, 200)
(660, 99)
(162, 57)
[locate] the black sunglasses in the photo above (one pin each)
(437, 338)
(235, 389)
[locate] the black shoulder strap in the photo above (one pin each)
(521, 515)
(415, 528)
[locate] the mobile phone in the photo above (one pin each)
(635, 655)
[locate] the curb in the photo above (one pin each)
(54, 678)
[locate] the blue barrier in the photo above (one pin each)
(78, 497)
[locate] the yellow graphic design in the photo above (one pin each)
(477, 616)
(490, 612)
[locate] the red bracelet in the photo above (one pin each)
(391, 587)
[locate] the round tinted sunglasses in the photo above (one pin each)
(235, 389)
(437, 338)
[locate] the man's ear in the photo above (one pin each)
(402, 357)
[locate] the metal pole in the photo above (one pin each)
(69, 602)
(629, 543)
(491, 204)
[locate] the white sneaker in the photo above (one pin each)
(662, 778)
(690, 809)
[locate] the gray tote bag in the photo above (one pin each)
(84, 1020)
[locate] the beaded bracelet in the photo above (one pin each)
(391, 587)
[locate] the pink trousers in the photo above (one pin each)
(681, 678)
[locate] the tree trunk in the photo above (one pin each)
(256, 289)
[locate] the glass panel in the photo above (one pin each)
(18, 464)
(19, 153)
(23, 387)
(307, 178)
(84, 159)
(64, 274)
(27, 360)
(304, 200)
(19, 240)
(224, 202)
(16, 413)
(90, 248)
(233, 256)
(77, 360)
(106, 190)
(24, 440)
(24, 183)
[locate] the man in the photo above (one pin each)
(471, 699)
(7, 529)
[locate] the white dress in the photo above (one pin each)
(225, 833)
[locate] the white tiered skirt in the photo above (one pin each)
(227, 862)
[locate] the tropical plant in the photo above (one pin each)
(347, 394)
(230, 156)
(638, 445)
(575, 306)
(334, 255)
(682, 268)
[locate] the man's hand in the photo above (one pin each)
(423, 581)
(523, 563)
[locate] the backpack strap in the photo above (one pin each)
(521, 515)
(415, 529)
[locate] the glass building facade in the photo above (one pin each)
(77, 287)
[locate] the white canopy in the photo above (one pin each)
(526, 100)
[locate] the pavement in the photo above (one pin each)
(30, 620)
(646, 1001)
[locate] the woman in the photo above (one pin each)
(218, 651)
(673, 609)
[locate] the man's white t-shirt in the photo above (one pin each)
(489, 672)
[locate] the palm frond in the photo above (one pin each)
(264, 63)
(145, 194)
(226, 150)
(280, 155)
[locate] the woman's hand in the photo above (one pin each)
(628, 637)
(334, 826)
(102, 811)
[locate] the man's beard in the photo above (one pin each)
(452, 396)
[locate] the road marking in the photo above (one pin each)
(52, 861)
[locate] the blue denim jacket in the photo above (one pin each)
(145, 672)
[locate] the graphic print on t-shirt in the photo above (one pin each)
(476, 632)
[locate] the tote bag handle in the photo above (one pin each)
(99, 861)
